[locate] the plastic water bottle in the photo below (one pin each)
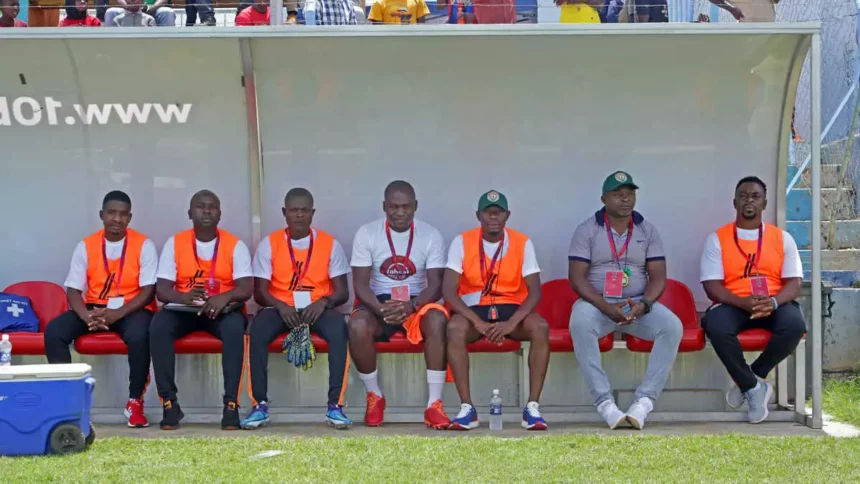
(496, 411)
(5, 351)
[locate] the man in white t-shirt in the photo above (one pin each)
(752, 273)
(492, 284)
(204, 279)
(397, 266)
(111, 287)
(300, 278)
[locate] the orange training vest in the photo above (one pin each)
(284, 279)
(102, 285)
(738, 268)
(189, 274)
(507, 284)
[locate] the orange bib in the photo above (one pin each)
(191, 272)
(315, 278)
(103, 283)
(739, 267)
(506, 284)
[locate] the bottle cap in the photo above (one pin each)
(5, 337)
(495, 392)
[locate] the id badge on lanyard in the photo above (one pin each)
(616, 281)
(301, 299)
(758, 283)
(118, 299)
(211, 286)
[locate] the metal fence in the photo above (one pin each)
(840, 73)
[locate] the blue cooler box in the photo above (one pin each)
(45, 409)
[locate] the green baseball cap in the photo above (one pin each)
(617, 180)
(491, 198)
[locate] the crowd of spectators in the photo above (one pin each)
(161, 13)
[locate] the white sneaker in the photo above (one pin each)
(638, 412)
(611, 415)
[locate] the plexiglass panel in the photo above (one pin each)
(120, 136)
(543, 119)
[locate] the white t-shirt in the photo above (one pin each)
(711, 266)
(241, 259)
(456, 254)
(77, 278)
(337, 263)
(370, 249)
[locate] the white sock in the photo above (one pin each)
(371, 383)
(435, 385)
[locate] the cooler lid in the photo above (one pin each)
(44, 372)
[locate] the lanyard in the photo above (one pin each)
(758, 248)
(615, 254)
(296, 272)
(214, 257)
(485, 275)
(121, 261)
(408, 246)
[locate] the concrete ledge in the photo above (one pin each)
(799, 204)
(846, 237)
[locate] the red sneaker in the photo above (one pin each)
(375, 412)
(435, 417)
(134, 413)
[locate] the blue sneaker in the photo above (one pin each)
(336, 418)
(531, 417)
(259, 417)
(467, 419)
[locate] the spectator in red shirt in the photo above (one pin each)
(9, 10)
(256, 14)
(77, 16)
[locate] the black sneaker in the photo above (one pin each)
(230, 417)
(172, 415)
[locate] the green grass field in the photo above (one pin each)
(842, 400)
(474, 459)
(483, 459)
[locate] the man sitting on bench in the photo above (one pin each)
(204, 279)
(618, 268)
(397, 265)
(492, 282)
(752, 273)
(111, 287)
(300, 278)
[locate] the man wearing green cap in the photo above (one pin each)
(492, 283)
(618, 268)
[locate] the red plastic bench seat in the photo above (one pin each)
(48, 301)
(678, 298)
(555, 305)
(27, 343)
(399, 344)
(754, 339)
(198, 342)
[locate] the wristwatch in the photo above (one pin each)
(648, 305)
(328, 303)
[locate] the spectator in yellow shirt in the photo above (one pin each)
(398, 12)
(579, 11)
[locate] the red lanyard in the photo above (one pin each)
(300, 274)
(485, 275)
(121, 261)
(617, 255)
(214, 257)
(391, 242)
(758, 248)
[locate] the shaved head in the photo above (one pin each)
(204, 193)
(399, 186)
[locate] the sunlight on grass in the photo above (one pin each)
(421, 459)
(841, 400)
